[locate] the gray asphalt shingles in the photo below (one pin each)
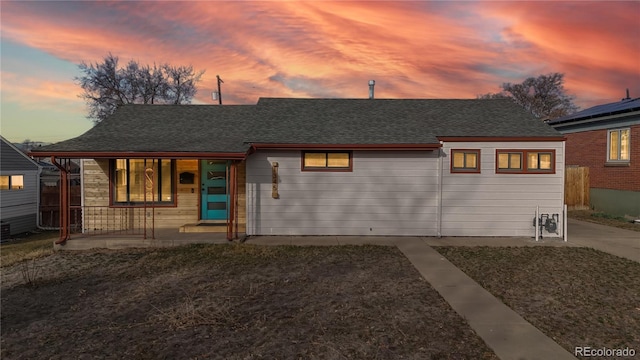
(232, 128)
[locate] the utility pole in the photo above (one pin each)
(219, 91)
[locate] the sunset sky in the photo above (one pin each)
(417, 49)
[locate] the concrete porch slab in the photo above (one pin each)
(208, 228)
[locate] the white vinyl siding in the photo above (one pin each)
(500, 204)
(387, 193)
(21, 204)
(19, 207)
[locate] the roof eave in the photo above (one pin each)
(140, 155)
(276, 146)
(501, 138)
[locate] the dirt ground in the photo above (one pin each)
(229, 302)
(576, 296)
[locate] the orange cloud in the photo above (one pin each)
(594, 43)
(331, 49)
(38, 93)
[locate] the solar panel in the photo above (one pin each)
(625, 105)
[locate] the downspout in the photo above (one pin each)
(440, 171)
(564, 205)
(39, 211)
(64, 202)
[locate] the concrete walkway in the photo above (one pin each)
(502, 329)
(619, 242)
(508, 334)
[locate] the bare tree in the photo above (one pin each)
(543, 96)
(106, 85)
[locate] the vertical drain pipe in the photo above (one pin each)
(564, 223)
(537, 223)
(440, 171)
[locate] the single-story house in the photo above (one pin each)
(19, 190)
(602, 139)
(323, 167)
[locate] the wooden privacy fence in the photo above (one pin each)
(50, 205)
(576, 187)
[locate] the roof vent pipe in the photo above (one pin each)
(627, 98)
(372, 83)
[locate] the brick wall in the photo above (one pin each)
(589, 148)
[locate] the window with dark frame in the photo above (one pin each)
(525, 161)
(326, 161)
(465, 161)
(510, 161)
(539, 161)
(131, 178)
(11, 182)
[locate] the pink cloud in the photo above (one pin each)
(594, 43)
(307, 49)
(39, 93)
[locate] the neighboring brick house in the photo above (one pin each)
(606, 139)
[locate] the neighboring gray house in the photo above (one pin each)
(414, 167)
(19, 190)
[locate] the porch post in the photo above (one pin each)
(65, 211)
(232, 196)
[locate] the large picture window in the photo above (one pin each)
(525, 161)
(619, 149)
(326, 161)
(135, 181)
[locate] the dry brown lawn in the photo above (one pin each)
(576, 296)
(229, 302)
(28, 246)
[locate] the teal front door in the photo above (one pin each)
(215, 197)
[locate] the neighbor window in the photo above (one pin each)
(465, 161)
(619, 145)
(525, 161)
(11, 182)
(326, 161)
(132, 178)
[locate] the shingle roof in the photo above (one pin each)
(162, 128)
(232, 128)
(618, 107)
(399, 121)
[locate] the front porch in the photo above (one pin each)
(164, 201)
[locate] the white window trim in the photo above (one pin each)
(618, 161)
